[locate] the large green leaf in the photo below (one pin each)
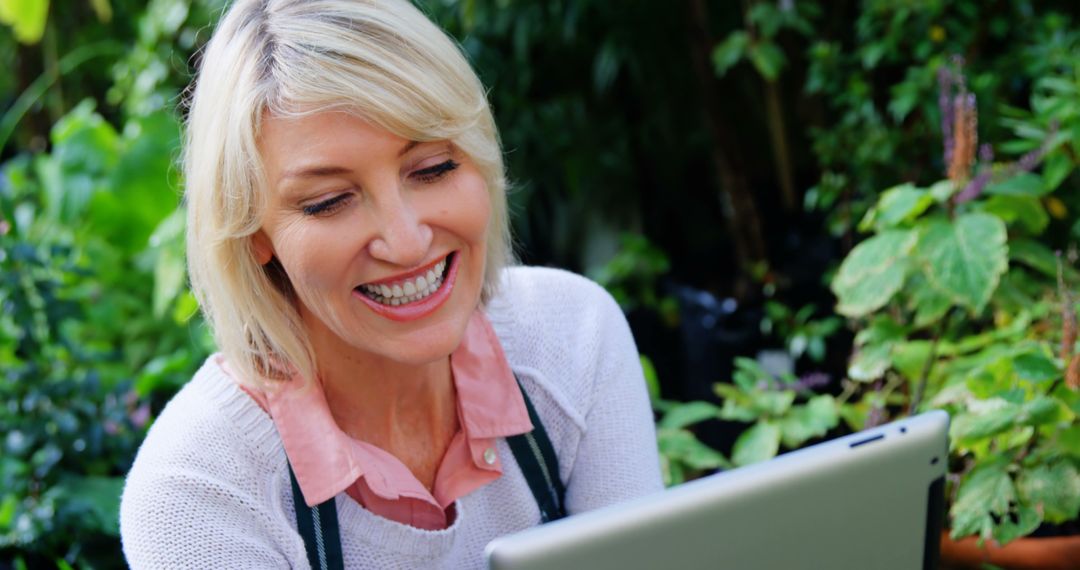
(767, 58)
(771, 403)
(870, 362)
(873, 272)
(1052, 489)
(1056, 169)
(993, 417)
(897, 205)
(1035, 367)
(813, 419)
(986, 506)
(1027, 211)
(759, 443)
(965, 258)
(1041, 410)
(1024, 184)
(687, 414)
(681, 445)
(26, 17)
(729, 52)
(737, 405)
(909, 358)
(1039, 257)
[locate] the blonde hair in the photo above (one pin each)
(382, 60)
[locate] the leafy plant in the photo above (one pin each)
(682, 455)
(962, 306)
(802, 333)
(96, 329)
(631, 277)
(782, 411)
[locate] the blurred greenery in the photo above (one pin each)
(743, 150)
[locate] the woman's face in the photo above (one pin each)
(383, 239)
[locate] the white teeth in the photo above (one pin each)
(407, 291)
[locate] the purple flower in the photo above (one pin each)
(812, 381)
(140, 416)
(974, 188)
(1026, 163)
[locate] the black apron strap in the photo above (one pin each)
(533, 452)
(536, 457)
(318, 526)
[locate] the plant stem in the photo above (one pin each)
(736, 199)
(924, 377)
(778, 134)
(41, 85)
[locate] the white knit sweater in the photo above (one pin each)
(210, 486)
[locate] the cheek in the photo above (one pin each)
(307, 256)
(473, 210)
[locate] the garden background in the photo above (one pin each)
(712, 163)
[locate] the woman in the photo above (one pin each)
(348, 243)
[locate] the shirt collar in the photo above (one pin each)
(326, 461)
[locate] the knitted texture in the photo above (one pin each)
(210, 486)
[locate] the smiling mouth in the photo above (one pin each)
(405, 291)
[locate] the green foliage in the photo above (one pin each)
(884, 131)
(26, 18)
(961, 294)
(682, 455)
(873, 272)
(81, 352)
(631, 277)
(962, 306)
(781, 410)
(956, 296)
(802, 333)
(96, 330)
(758, 43)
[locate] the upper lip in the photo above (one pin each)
(422, 270)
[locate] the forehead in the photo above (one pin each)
(288, 143)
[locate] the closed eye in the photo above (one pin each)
(328, 206)
(434, 173)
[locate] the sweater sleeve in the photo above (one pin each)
(204, 491)
(617, 457)
(188, 520)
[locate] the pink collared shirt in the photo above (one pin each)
(327, 461)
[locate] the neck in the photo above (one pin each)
(384, 402)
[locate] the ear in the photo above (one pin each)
(261, 246)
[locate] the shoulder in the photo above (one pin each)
(559, 328)
(208, 420)
(206, 465)
(552, 297)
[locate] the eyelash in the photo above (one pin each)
(428, 175)
(434, 173)
(327, 207)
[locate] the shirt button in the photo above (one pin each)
(489, 456)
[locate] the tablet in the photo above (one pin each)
(870, 500)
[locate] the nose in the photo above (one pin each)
(403, 238)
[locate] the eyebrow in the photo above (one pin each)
(318, 171)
